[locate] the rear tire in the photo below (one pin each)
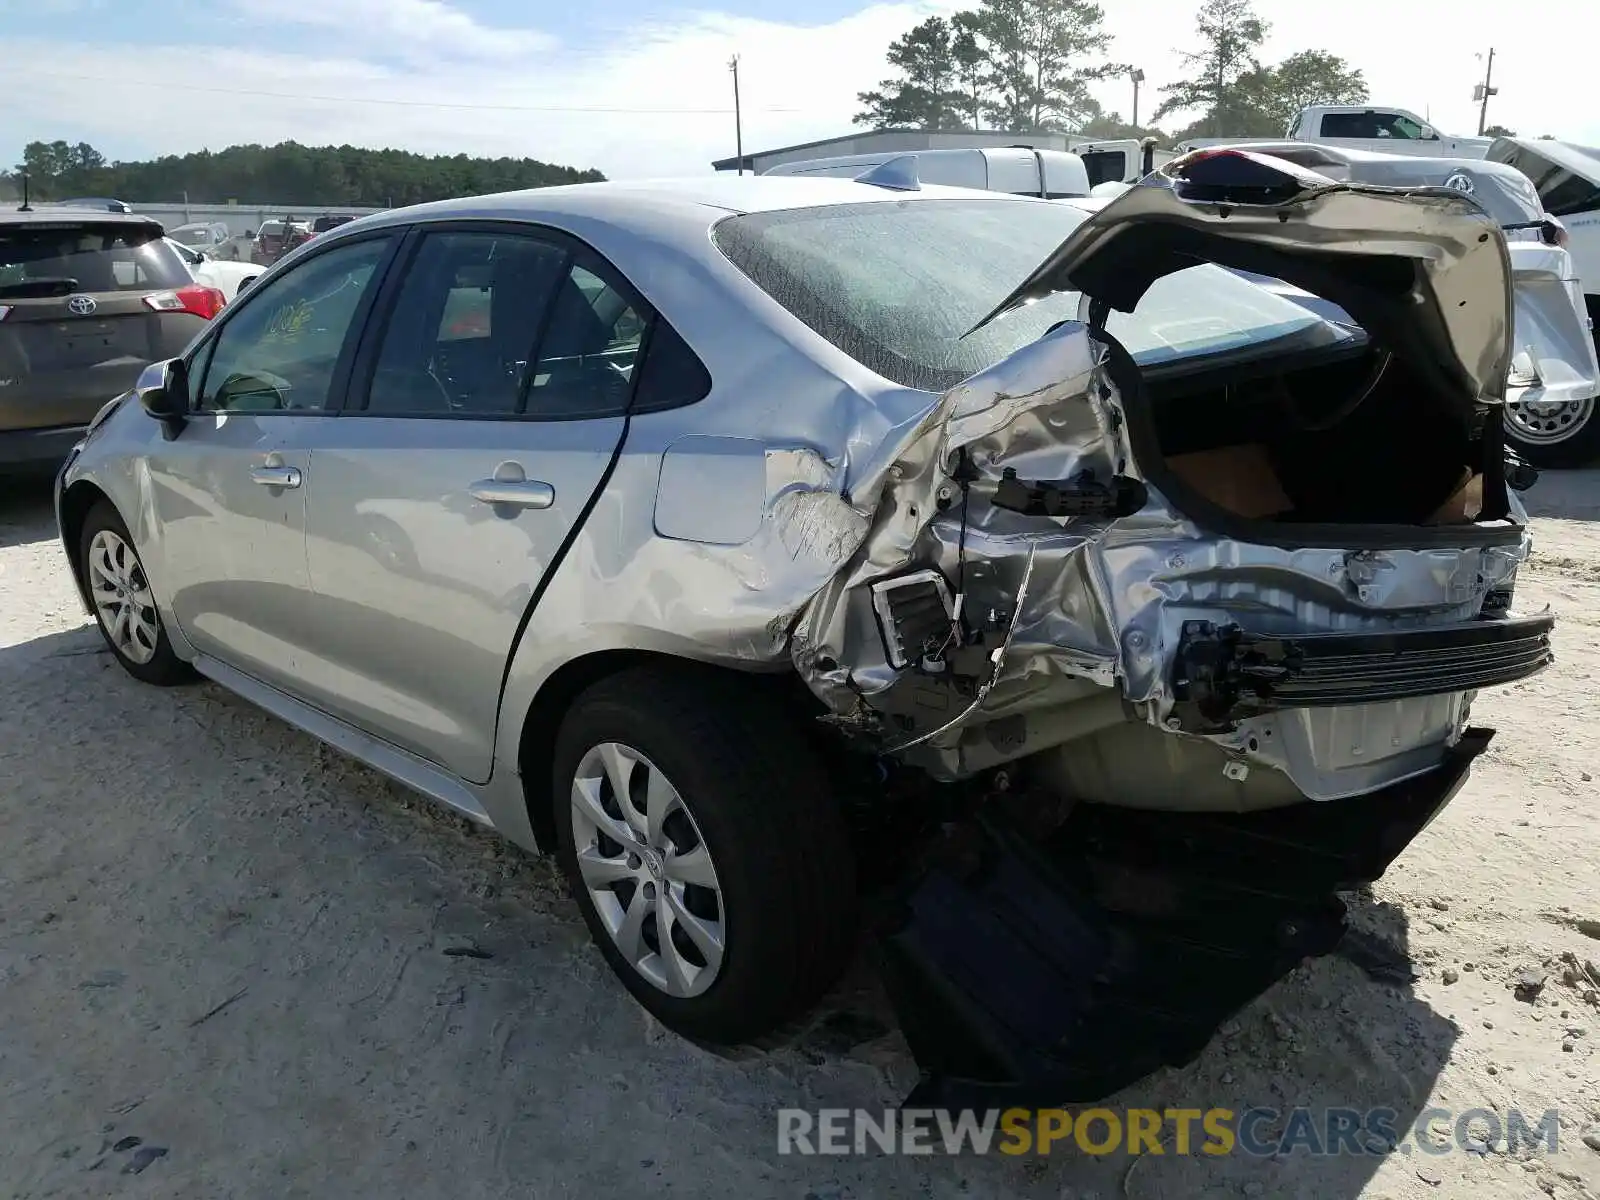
(751, 855)
(124, 606)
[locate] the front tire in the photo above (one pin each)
(124, 607)
(705, 850)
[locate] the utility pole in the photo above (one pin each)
(1138, 77)
(1483, 91)
(738, 118)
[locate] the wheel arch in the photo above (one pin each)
(541, 723)
(76, 502)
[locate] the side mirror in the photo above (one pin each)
(163, 390)
(1430, 134)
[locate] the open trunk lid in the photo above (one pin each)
(1424, 270)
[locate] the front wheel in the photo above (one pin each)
(124, 606)
(705, 850)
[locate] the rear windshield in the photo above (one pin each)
(42, 261)
(895, 286)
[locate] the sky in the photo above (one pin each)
(642, 88)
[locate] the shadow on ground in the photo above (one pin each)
(26, 508)
(226, 943)
(1565, 495)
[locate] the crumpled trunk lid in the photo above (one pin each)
(1424, 270)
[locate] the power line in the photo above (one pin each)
(547, 108)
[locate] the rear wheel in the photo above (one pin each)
(124, 606)
(705, 851)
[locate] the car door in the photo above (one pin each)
(229, 489)
(495, 396)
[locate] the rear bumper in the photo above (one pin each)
(1041, 971)
(1224, 673)
(38, 447)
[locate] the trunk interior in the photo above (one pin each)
(1344, 435)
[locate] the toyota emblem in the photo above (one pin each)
(1460, 182)
(81, 306)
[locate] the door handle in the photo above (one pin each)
(284, 477)
(510, 486)
(526, 493)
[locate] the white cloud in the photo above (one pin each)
(799, 82)
(410, 29)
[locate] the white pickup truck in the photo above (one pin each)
(1363, 127)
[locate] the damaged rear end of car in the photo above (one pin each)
(1195, 593)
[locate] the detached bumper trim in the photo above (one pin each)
(1222, 673)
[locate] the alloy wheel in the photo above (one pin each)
(122, 599)
(647, 869)
(1545, 422)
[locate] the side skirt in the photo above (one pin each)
(400, 765)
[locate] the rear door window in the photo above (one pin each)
(588, 353)
(461, 335)
(39, 261)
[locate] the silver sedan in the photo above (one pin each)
(748, 542)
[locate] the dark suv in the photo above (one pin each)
(86, 300)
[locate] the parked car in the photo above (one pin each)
(212, 237)
(102, 203)
(1018, 169)
(328, 222)
(1361, 127)
(87, 299)
(226, 276)
(1564, 431)
(276, 238)
(1116, 611)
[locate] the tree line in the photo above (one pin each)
(287, 173)
(1026, 66)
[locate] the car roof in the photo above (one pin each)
(56, 214)
(725, 193)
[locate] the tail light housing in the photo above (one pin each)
(204, 302)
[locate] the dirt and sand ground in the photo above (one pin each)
(226, 970)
